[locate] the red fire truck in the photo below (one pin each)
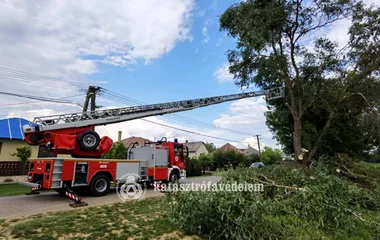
(74, 134)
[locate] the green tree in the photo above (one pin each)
(210, 147)
(206, 160)
(23, 153)
(118, 151)
(193, 167)
(328, 88)
(271, 156)
(230, 158)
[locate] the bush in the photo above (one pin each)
(193, 167)
(225, 159)
(293, 205)
(271, 156)
(23, 153)
(205, 160)
(117, 151)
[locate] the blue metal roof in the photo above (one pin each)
(11, 128)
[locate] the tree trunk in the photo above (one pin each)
(297, 138)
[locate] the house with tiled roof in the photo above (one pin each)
(229, 147)
(139, 140)
(248, 151)
(196, 148)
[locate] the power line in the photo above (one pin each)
(38, 101)
(22, 75)
(39, 98)
(200, 134)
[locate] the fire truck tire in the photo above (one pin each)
(89, 140)
(174, 176)
(100, 185)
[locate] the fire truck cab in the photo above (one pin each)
(154, 161)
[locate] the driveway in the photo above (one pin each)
(27, 205)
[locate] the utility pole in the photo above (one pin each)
(90, 98)
(258, 145)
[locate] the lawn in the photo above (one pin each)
(13, 189)
(132, 220)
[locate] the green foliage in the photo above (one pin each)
(206, 160)
(230, 158)
(293, 206)
(118, 151)
(271, 156)
(23, 153)
(328, 88)
(210, 147)
(193, 167)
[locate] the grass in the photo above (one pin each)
(13, 189)
(132, 220)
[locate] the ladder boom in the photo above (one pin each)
(109, 116)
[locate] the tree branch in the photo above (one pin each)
(304, 109)
(320, 137)
(319, 25)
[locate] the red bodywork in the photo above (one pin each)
(41, 170)
(64, 141)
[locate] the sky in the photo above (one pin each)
(147, 51)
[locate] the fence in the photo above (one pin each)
(13, 168)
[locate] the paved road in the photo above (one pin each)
(27, 205)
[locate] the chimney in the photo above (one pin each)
(119, 136)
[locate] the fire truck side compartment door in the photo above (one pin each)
(162, 157)
(68, 170)
(125, 169)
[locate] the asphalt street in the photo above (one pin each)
(27, 205)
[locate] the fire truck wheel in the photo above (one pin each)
(89, 140)
(100, 185)
(174, 177)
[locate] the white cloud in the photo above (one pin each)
(70, 39)
(220, 40)
(244, 112)
(222, 73)
(206, 38)
(63, 35)
(247, 115)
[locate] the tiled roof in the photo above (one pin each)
(228, 146)
(193, 146)
(134, 139)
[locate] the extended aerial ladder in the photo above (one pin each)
(75, 134)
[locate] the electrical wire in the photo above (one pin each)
(38, 101)
(40, 98)
(30, 77)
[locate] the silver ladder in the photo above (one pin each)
(56, 181)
